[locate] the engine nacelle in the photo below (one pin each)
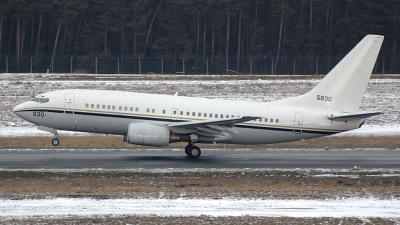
(147, 134)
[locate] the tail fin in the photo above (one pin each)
(343, 88)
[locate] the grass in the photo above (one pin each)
(212, 184)
(115, 142)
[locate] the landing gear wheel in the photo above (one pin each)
(55, 142)
(194, 152)
(187, 149)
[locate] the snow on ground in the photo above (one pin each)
(386, 130)
(63, 207)
(34, 132)
(382, 95)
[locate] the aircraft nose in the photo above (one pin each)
(17, 108)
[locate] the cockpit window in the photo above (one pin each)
(40, 100)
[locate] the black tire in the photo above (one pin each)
(187, 149)
(55, 142)
(194, 152)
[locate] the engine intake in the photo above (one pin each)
(148, 134)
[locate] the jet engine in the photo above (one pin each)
(148, 134)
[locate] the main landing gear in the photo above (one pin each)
(192, 151)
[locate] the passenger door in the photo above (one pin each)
(69, 105)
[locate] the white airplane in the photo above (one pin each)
(157, 120)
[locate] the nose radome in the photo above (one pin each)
(17, 108)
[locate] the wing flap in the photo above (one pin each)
(211, 127)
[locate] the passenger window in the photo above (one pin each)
(210, 115)
(163, 111)
(271, 120)
(113, 107)
(87, 105)
(187, 113)
(181, 113)
(103, 106)
(216, 115)
(174, 112)
(221, 116)
(233, 116)
(266, 120)
(199, 114)
(98, 106)
(131, 108)
(260, 119)
(92, 105)
(137, 109)
(193, 114)
(277, 120)
(205, 114)
(108, 107)
(148, 110)
(153, 110)
(120, 108)
(227, 116)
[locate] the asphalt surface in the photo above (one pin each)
(157, 159)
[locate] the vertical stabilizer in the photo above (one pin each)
(343, 88)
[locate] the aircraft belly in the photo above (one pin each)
(256, 136)
(61, 121)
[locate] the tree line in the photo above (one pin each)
(197, 29)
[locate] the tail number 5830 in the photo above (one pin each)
(324, 98)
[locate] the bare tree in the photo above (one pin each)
(228, 22)
(239, 37)
(281, 26)
(151, 25)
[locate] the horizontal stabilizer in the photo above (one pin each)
(357, 116)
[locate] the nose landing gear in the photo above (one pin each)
(55, 140)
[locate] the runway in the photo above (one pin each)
(164, 159)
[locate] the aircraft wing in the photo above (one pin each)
(356, 116)
(211, 128)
